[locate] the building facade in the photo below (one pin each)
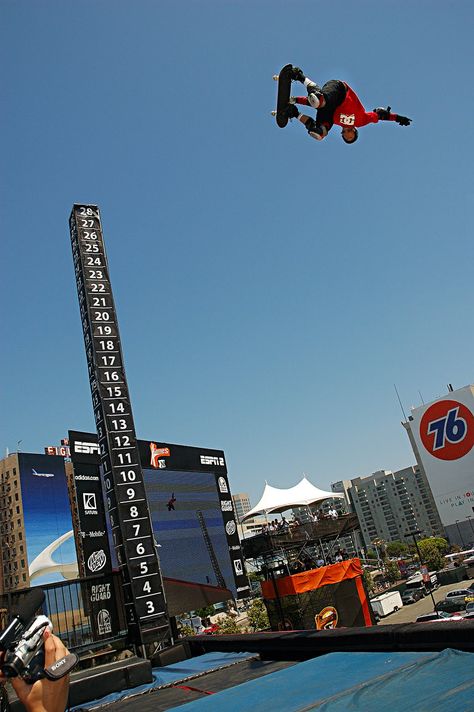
(441, 434)
(241, 502)
(13, 553)
(390, 505)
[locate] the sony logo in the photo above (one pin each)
(59, 664)
(210, 460)
(86, 448)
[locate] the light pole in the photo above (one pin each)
(472, 530)
(378, 543)
(413, 535)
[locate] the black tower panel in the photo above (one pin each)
(127, 504)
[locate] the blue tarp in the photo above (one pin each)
(171, 674)
(337, 682)
(363, 682)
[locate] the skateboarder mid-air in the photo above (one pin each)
(335, 103)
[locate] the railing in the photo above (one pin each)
(324, 530)
(73, 610)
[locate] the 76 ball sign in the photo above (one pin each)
(447, 430)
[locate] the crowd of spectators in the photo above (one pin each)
(283, 525)
(305, 562)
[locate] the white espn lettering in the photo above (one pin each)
(212, 460)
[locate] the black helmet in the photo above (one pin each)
(356, 136)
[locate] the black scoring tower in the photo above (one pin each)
(121, 469)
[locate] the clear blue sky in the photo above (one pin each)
(271, 290)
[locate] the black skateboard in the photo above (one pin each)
(283, 96)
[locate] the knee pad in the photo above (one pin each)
(314, 98)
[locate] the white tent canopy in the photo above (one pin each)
(303, 494)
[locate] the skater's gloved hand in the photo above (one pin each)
(403, 120)
(383, 114)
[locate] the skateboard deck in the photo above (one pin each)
(283, 95)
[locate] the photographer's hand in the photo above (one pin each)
(45, 695)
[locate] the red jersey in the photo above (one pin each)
(350, 112)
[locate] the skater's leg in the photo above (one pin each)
(315, 130)
(315, 95)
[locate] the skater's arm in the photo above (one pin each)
(368, 117)
(301, 100)
(386, 115)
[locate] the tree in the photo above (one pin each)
(440, 543)
(205, 612)
(431, 554)
(397, 548)
(368, 581)
(185, 630)
(392, 571)
(227, 626)
(257, 615)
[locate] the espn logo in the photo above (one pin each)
(210, 460)
(86, 448)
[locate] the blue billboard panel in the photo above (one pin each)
(49, 534)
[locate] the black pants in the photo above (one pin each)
(334, 92)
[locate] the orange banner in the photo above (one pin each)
(315, 578)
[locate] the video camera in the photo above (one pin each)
(22, 644)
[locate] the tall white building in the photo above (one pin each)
(390, 505)
(441, 434)
(241, 504)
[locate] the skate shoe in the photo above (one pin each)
(291, 111)
(297, 75)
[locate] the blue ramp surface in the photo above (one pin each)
(172, 674)
(365, 682)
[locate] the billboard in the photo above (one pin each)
(192, 516)
(92, 533)
(47, 518)
(443, 434)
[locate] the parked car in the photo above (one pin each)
(411, 596)
(460, 595)
(438, 616)
(211, 629)
(470, 607)
(450, 607)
